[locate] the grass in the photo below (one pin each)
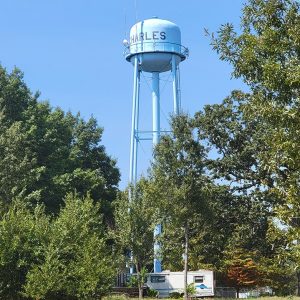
(124, 297)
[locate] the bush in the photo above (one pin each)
(76, 262)
(176, 295)
(152, 293)
(22, 237)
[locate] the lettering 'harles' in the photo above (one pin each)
(148, 36)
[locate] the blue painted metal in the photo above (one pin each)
(155, 141)
(178, 88)
(136, 135)
(134, 123)
(155, 108)
(156, 40)
(157, 267)
(134, 130)
(175, 86)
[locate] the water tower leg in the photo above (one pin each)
(176, 102)
(134, 124)
(134, 133)
(136, 128)
(156, 108)
(157, 262)
(178, 88)
(156, 138)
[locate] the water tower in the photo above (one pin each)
(154, 47)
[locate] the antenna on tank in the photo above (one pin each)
(125, 23)
(135, 10)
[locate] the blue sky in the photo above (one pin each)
(72, 52)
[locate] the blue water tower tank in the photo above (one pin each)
(155, 41)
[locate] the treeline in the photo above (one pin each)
(224, 185)
(56, 193)
(66, 257)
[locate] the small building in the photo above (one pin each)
(167, 282)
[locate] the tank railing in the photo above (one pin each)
(155, 46)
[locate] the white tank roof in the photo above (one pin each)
(156, 24)
(155, 41)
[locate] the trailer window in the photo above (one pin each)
(157, 278)
(198, 279)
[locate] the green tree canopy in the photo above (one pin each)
(135, 216)
(46, 153)
(23, 235)
(265, 54)
(235, 142)
(77, 262)
(183, 189)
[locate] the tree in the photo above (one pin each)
(77, 262)
(46, 153)
(235, 142)
(241, 269)
(23, 234)
(182, 187)
(190, 188)
(277, 265)
(134, 226)
(265, 55)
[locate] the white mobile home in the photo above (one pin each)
(168, 282)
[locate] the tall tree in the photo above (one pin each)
(183, 188)
(46, 153)
(235, 142)
(135, 217)
(277, 264)
(22, 236)
(265, 54)
(77, 262)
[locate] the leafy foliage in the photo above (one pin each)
(46, 153)
(182, 189)
(23, 235)
(243, 203)
(242, 271)
(265, 54)
(135, 217)
(218, 181)
(67, 257)
(77, 262)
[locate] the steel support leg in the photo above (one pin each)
(156, 138)
(134, 134)
(176, 102)
(134, 124)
